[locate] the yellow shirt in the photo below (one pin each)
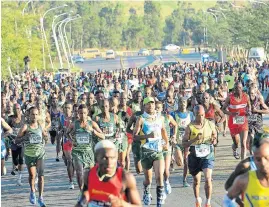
(206, 132)
(256, 195)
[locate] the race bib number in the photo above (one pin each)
(202, 150)
(154, 145)
(238, 120)
(35, 139)
(83, 138)
(253, 118)
(54, 125)
(119, 137)
(180, 136)
(108, 131)
(16, 131)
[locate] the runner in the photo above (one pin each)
(254, 184)
(153, 131)
(255, 120)
(4, 134)
(66, 121)
(200, 135)
(118, 187)
(183, 117)
(170, 124)
(81, 132)
(55, 112)
(16, 122)
(32, 136)
(238, 104)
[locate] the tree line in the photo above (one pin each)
(107, 25)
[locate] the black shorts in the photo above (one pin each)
(197, 164)
(53, 133)
(17, 156)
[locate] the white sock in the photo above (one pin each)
(199, 200)
(19, 175)
(207, 201)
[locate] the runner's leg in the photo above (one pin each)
(243, 140)
(208, 184)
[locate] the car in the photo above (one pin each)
(171, 47)
(143, 52)
(110, 54)
(91, 53)
(78, 59)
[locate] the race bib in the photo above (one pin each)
(35, 139)
(253, 118)
(238, 120)
(16, 131)
(108, 131)
(54, 125)
(202, 150)
(180, 135)
(83, 138)
(154, 145)
(119, 137)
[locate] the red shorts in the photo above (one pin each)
(67, 145)
(237, 128)
(130, 138)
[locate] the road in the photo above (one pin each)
(91, 65)
(56, 182)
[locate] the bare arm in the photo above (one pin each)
(239, 186)
(225, 105)
(249, 104)
(130, 124)
(185, 140)
(220, 113)
(132, 193)
(264, 110)
(97, 131)
(48, 121)
(6, 127)
(137, 129)
(20, 135)
(241, 168)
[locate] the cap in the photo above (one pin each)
(148, 100)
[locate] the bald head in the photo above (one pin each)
(199, 109)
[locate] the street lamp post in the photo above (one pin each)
(71, 19)
(25, 7)
(45, 37)
(213, 10)
(216, 18)
(55, 38)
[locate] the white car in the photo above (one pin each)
(110, 54)
(143, 52)
(171, 47)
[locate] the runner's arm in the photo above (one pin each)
(130, 124)
(85, 197)
(241, 168)
(186, 142)
(220, 113)
(264, 110)
(164, 136)
(6, 127)
(137, 129)
(249, 104)
(238, 187)
(132, 194)
(70, 131)
(20, 135)
(174, 124)
(97, 131)
(48, 121)
(225, 105)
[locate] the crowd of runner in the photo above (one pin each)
(165, 115)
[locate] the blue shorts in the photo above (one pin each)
(197, 164)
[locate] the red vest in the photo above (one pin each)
(99, 191)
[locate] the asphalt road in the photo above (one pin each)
(56, 182)
(91, 65)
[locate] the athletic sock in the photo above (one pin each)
(19, 174)
(159, 192)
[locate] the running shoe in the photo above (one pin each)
(147, 199)
(235, 152)
(71, 185)
(19, 182)
(186, 184)
(41, 202)
(199, 202)
(167, 187)
(32, 198)
(57, 159)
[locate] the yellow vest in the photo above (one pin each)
(206, 132)
(256, 195)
